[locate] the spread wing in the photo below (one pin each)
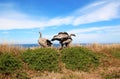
(60, 36)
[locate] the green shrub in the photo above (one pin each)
(43, 59)
(79, 58)
(9, 63)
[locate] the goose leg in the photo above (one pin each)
(67, 44)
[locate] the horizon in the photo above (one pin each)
(93, 21)
(56, 43)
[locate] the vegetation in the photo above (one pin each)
(115, 52)
(8, 63)
(43, 59)
(68, 63)
(79, 58)
(114, 75)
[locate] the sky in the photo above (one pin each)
(93, 21)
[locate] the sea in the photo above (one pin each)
(32, 45)
(37, 45)
(56, 45)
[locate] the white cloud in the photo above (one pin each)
(99, 12)
(13, 15)
(89, 8)
(94, 29)
(6, 23)
(5, 32)
(95, 12)
(97, 38)
(105, 34)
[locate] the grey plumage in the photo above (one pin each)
(64, 38)
(43, 41)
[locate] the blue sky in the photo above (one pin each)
(93, 21)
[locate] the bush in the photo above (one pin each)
(43, 59)
(79, 58)
(8, 63)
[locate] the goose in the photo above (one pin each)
(64, 38)
(43, 42)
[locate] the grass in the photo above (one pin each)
(9, 63)
(109, 54)
(68, 63)
(114, 75)
(79, 58)
(42, 59)
(15, 50)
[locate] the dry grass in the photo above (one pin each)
(100, 73)
(102, 47)
(107, 52)
(109, 64)
(68, 74)
(9, 48)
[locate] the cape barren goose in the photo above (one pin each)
(64, 38)
(43, 42)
